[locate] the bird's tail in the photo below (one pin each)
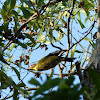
(69, 59)
(55, 53)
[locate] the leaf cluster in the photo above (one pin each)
(57, 89)
(45, 28)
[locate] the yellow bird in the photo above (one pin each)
(49, 61)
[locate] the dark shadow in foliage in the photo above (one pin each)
(96, 82)
(66, 90)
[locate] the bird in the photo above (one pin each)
(49, 61)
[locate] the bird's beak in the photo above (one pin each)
(28, 68)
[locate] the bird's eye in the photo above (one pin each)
(31, 66)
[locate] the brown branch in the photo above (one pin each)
(47, 4)
(31, 18)
(68, 29)
(35, 88)
(80, 77)
(29, 89)
(68, 32)
(7, 45)
(78, 70)
(79, 43)
(60, 71)
(85, 55)
(72, 73)
(35, 15)
(92, 26)
(98, 35)
(56, 46)
(32, 3)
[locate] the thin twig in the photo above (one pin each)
(29, 89)
(47, 4)
(32, 3)
(83, 37)
(85, 56)
(68, 32)
(78, 70)
(60, 71)
(79, 43)
(56, 46)
(34, 16)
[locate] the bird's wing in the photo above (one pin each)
(48, 62)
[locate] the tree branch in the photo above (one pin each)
(92, 26)
(68, 32)
(29, 89)
(35, 15)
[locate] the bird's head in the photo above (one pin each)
(32, 67)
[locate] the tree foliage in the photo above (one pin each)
(29, 25)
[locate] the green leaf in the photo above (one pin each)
(22, 44)
(24, 92)
(83, 11)
(87, 39)
(15, 15)
(3, 78)
(79, 17)
(50, 35)
(40, 2)
(27, 2)
(88, 18)
(66, 83)
(42, 38)
(81, 24)
(17, 73)
(21, 85)
(91, 42)
(78, 51)
(72, 68)
(34, 82)
(1, 44)
(3, 74)
(63, 21)
(5, 85)
(95, 77)
(12, 4)
(64, 3)
(32, 39)
(60, 34)
(10, 58)
(12, 46)
(73, 51)
(26, 13)
(66, 90)
(9, 5)
(31, 44)
(11, 82)
(47, 85)
(2, 59)
(15, 95)
(6, 5)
